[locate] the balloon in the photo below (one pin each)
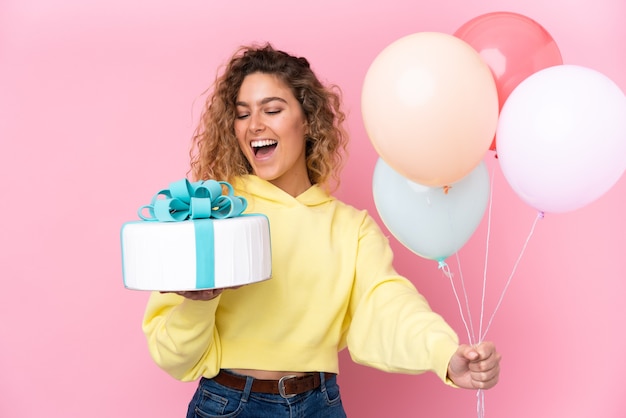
(430, 107)
(562, 137)
(433, 222)
(513, 46)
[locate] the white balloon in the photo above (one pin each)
(561, 137)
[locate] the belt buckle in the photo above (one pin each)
(281, 386)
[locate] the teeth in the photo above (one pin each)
(262, 143)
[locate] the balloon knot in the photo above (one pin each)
(445, 268)
(446, 189)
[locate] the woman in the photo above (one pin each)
(271, 348)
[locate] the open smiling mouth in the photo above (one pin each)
(263, 147)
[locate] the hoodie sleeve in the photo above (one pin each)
(181, 335)
(393, 328)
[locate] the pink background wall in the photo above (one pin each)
(97, 104)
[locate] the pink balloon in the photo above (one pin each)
(513, 46)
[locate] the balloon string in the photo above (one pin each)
(446, 271)
(480, 394)
(472, 338)
(480, 403)
(539, 216)
(482, 303)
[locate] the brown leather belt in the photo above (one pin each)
(286, 386)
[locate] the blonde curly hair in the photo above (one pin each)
(215, 152)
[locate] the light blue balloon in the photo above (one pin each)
(433, 222)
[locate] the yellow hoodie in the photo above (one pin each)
(333, 285)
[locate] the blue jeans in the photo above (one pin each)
(213, 400)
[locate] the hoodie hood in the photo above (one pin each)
(253, 187)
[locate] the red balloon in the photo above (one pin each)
(513, 46)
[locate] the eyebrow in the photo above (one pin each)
(264, 101)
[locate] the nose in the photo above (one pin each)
(256, 123)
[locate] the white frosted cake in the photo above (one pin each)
(196, 254)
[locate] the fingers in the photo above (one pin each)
(207, 294)
(484, 365)
(485, 349)
(485, 379)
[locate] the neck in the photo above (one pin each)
(294, 187)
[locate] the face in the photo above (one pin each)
(270, 128)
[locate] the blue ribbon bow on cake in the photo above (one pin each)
(198, 200)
